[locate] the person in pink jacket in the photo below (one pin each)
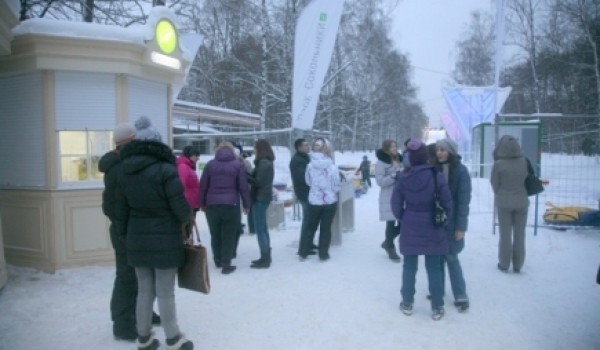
(186, 167)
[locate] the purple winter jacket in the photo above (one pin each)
(412, 204)
(224, 181)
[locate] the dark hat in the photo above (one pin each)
(189, 151)
(417, 152)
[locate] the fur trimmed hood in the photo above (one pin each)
(139, 154)
(383, 157)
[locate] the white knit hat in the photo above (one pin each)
(124, 132)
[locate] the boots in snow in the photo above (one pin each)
(148, 342)
(391, 251)
(179, 343)
(264, 262)
(227, 268)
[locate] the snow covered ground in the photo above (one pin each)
(348, 302)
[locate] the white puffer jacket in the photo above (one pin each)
(323, 177)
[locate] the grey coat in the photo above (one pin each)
(508, 174)
(385, 176)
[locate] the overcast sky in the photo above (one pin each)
(427, 31)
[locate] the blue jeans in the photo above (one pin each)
(457, 280)
(433, 264)
(259, 213)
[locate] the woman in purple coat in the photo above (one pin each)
(222, 183)
(413, 205)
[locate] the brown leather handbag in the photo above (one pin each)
(193, 275)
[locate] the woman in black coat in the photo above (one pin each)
(151, 211)
(262, 194)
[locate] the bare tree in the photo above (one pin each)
(583, 14)
(475, 64)
(522, 17)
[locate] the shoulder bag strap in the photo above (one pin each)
(529, 167)
(197, 233)
(436, 190)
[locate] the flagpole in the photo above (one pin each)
(498, 58)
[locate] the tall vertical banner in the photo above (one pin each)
(316, 31)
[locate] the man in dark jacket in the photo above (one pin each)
(151, 210)
(298, 165)
(124, 294)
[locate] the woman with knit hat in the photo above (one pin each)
(124, 293)
(413, 205)
(449, 163)
(151, 210)
(323, 178)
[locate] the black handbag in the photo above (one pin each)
(533, 184)
(440, 218)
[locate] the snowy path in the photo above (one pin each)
(349, 302)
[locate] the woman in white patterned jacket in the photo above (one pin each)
(323, 178)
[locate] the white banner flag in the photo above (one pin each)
(316, 31)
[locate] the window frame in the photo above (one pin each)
(102, 147)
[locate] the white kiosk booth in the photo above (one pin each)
(63, 88)
(9, 11)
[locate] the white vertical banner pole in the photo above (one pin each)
(316, 31)
(499, 41)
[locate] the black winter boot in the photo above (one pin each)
(391, 251)
(148, 342)
(264, 262)
(227, 268)
(179, 343)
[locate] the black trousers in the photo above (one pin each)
(317, 216)
(124, 294)
(366, 178)
(223, 223)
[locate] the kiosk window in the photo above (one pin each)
(80, 152)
